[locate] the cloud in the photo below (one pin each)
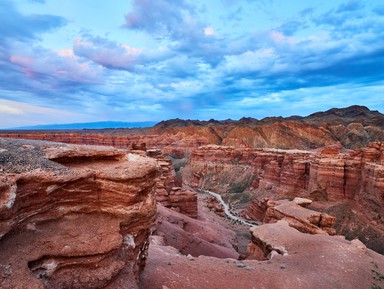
(27, 66)
(176, 62)
(344, 13)
(350, 6)
(379, 9)
(162, 16)
(208, 31)
(21, 113)
(41, 75)
(179, 26)
(204, 68)
(107, 53)
(52, 71)
(6, 109)
(306, 12)
(273, 60)
(291, 27)
(16, 26)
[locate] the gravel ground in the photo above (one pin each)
(19, 156)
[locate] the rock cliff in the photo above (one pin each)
(329, 174)
(332, 174)
(73, 216)
(169, 192)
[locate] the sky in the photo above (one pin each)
(151, 60)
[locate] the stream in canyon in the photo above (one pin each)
(227, 211)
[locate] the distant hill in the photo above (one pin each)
(351, 127)
(345, 116)
(354, 126)
(89, 125)
(334, 116)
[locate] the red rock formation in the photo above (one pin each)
(291, 172)
(297, 260)
(352, 127)
(168, 193)
(73, 216)
(215, 206)
(298, 217)
(219, 168)
(256, 209)
(194, 237)
(331, 174)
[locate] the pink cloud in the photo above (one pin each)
(108, 53)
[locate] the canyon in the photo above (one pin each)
(346, 183)
(126, 208)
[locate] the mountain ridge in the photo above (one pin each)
(333, 116)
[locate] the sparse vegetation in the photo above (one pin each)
(377, 276)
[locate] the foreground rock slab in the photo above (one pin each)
(194, 237)
(301, 261)
(73, 216)
(298, 217)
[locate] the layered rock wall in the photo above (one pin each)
(220, 168)
(329, 174)
(169, 192)
(73, 216)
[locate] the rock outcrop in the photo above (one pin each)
(292, 260)
(169, 192)
(298, 217)
(73, 216)
(194, 237)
